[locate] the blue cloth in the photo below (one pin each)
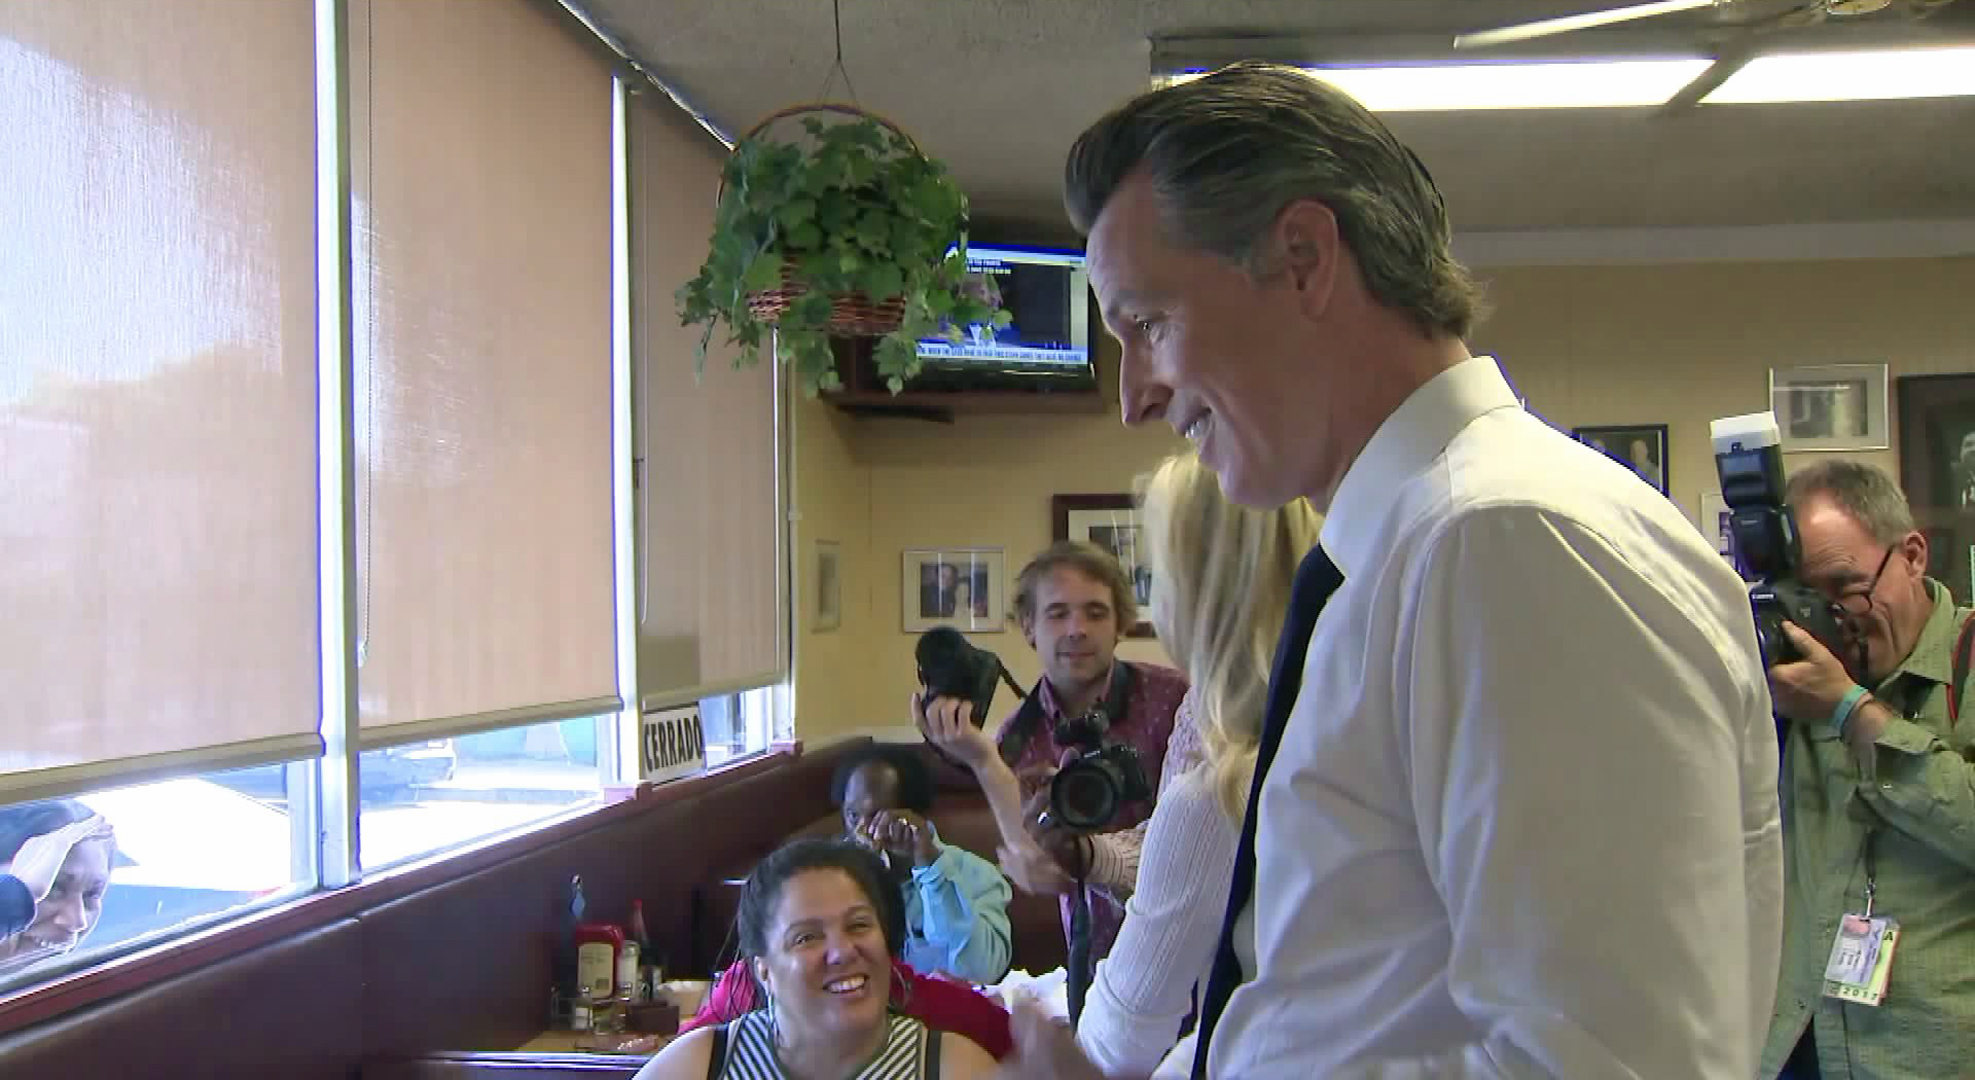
(16, 906)
(956, 917)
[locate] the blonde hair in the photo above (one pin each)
(1221, 579)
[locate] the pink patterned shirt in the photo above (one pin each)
(1147, 725)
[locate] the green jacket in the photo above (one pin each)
(1920, 795)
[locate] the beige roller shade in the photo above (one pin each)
(712, 586)
(158, 583)
(481, 172)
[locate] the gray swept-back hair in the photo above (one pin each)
(1228, 151)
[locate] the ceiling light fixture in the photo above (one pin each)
(1879, 74)
(1571, 84)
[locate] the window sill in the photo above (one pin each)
(163, 961)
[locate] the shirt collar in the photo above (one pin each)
(1403, 446)
(1051, 707)
(1932, 657)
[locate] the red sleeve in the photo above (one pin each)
(936, 1003)
(950, 1006)
(732, 996)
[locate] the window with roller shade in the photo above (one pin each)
(157, 390)
(158, 496)
(712, 582)
(481, 242)
(164, 439)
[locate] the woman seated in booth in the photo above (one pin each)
(956, 903)
(820, 924)
(54, 868)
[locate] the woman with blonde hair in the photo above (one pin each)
(1221, 576)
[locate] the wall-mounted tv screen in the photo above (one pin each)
(1047, 343)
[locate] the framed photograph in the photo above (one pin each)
(965, 588)
(1639, 447)
(1111, 522)
(1937, 471)
(1831, 407)
(826, 586)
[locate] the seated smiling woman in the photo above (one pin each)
(820, 924)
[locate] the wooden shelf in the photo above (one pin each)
(864, 394)
(943, 407)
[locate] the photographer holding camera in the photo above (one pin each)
(1878, 795)
(1109, 719)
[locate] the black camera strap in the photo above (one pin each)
(1077, 968)
(1029, 719)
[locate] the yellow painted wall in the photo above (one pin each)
(1684, 345)
(983, 481)
(832, 499)
(1679, 345)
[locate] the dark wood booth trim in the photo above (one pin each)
(449, 954)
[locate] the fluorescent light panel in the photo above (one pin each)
(1850, 76)
(1574, 84)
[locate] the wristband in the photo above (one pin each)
(1847, 705)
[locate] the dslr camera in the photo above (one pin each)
(950, 666)
(1749, 459)
(1086, 793)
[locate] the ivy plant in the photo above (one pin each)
(857, 208)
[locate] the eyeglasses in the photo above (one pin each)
(1857, 602)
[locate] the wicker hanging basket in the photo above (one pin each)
(852, 314)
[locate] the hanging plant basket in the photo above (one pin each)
(851, 232)
(852, 314)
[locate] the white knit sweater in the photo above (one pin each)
(1172, 924)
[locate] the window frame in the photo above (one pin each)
(323, 803)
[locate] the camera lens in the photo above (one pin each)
(1084, 795)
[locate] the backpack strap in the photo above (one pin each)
(1962, 647)
(933, 1040)
(717, 1063)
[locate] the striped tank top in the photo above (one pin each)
(744, 1049)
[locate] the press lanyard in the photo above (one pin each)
(1871, 868)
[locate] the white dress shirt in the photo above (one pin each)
(1523, 820)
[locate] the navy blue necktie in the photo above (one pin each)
(1316, 579)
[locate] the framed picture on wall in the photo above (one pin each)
(1112, 523)
(965, 588)
(826, 586)
(1639, 447)
(1937, 471)
(1831, 407)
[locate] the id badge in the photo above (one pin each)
(1861, 959)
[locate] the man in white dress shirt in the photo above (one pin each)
(1522, 819)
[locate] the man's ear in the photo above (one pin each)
(1308, 249)
(1029, 630)
(1915, 548)
(760, 968)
